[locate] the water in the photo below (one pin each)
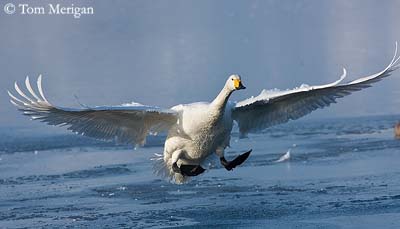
(341, 173)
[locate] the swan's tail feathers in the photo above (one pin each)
(163, 168)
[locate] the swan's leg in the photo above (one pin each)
(175, 157)
(229, 165)
(186, 170)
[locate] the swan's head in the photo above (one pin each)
(234, 83)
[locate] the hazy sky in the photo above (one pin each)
(169, 52)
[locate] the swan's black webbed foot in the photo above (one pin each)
(192, 170)
(175, 168)
(229, 165)
(188, 170)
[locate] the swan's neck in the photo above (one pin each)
(220, 101)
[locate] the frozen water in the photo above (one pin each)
(342, 173)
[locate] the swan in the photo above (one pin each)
(196, 130)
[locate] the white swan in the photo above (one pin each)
(195, 130)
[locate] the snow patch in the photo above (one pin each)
(284, 157)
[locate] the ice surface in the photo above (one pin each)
(343, 173)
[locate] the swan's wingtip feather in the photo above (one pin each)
(394, 59)
(12, 97)
(39, 85)
(19, 91)
(30, 89)
(344, 74)
(16, 104)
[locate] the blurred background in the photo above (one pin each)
(168, 52)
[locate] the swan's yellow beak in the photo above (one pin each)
(238, 84)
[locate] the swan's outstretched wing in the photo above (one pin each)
(125, 124)
(275, 107)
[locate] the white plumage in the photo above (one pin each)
(195, 130)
